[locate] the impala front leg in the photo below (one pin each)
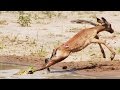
(47, 59)
(102, 42)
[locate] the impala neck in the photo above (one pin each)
(100, 28)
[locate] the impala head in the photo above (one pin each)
(105, 23)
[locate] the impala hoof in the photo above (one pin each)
(30, 72)
(112, 56)
(48, 69)
(64, 67)
(46, 60)
(104, 56)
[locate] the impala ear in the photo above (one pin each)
(99, 21)
(104, 20)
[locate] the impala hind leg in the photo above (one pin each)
(102, 42)
(47, 59)
(58, 57)
(49, 63)
(101, 48)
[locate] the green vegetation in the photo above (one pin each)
(41, 52)
(24, 19)
(3, 22)
(1, 45)
(49, 14)
(118, 50)
(56, 44)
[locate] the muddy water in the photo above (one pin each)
(4, 66)
(7, 71)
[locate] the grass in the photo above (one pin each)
(87, 14)
(45, 17)
(49, 14)
(31, 42)
(2, 46)
(3, 22)
(14, 38)
(118, 50)
(74, 30)
(93, 54)
(56, 43)
(42, 52)
(117, 33)
(51, 34)
(24, 19)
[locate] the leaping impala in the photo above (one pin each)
(94, 24)
(78, 42)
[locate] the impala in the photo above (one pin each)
(85, 21)
(78, 42)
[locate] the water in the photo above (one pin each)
(6, 66)
(7, 71)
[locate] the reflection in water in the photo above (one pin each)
(6, 66)
(55, 74)
(6, 71)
